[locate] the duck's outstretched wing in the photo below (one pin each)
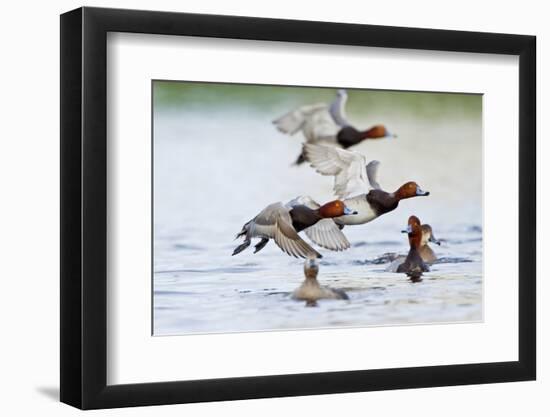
(275, 222)
(347, 167)
(294, 120)
(290, 242)
(338, 109)
(324, 233)
(321, 127)
(328, 235)
(372, 174)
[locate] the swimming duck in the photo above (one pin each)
(413, 265)
(351, 175)
(328, 124)
(311, 291)
(425, 251)
(282, 223)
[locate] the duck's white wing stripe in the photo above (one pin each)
(347, 167)
(294, 120)
(328, 235)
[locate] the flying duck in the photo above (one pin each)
(282, 223)
(327, 124)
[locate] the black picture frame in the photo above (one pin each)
(84, 207)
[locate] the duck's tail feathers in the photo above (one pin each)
(243, 231)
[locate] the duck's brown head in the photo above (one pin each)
(428, 235)
(414, 230)
(409, 190)
(311, 268)
(378, 132)
(335, 208)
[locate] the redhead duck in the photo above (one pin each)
(425, 251)
(350, 176)
(327, 124)
(283, 222)
(413, 265)
(311, 291)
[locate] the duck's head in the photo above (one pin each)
(311, 268)
(378, 132)
(410, 189)
(335, 208)
(428, 235)
(414, 230)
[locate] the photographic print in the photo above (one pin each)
(290, 208)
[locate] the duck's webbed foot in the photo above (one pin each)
(261, 244)
(241, 247)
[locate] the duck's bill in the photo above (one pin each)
(434, 240)
(421, 192)
(407, 230)
(348, 211)
(390, 134)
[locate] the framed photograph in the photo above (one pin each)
(257, 208)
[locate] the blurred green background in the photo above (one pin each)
(176, 94)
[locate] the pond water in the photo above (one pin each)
(216, 165)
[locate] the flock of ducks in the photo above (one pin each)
(360, 199)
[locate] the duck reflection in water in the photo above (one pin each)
(415, 276)
(311, 291)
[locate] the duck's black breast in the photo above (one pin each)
(413, 263)
(303, 217)
(381, 201)
(348, 136)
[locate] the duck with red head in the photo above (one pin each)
(424, 250)
(410, 189)
(413, 265)
(282, 223)
(349, 136)
(327, 123)
(356, 184)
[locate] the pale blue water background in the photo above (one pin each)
(218, 161)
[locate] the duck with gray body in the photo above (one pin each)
(311, 291)
(282, 223)
(327, 124)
